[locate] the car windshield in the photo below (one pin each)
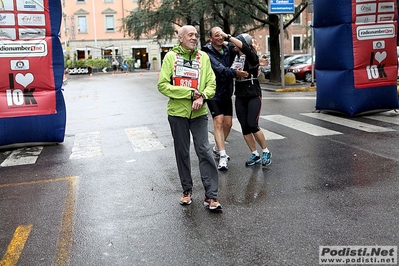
(309, 61)
(289, 59)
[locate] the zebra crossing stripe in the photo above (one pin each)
(300, 125)
(86, 145)
(348, 122)
(22, 156)
(211, 138)
(268, 134)
(143, 139)
(391, 117)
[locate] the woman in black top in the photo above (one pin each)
(249, 99)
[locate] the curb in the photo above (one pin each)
(296, 89)
(289, 89)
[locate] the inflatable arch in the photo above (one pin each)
(356, 57)
(32, 107)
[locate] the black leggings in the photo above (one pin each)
(248, 111)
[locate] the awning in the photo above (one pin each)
(111, 48)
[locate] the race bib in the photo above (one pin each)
(182, 71)
(186, 82)
(238, 65)
(187, 77)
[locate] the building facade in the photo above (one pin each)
(91, 29)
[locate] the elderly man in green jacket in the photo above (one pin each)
(187, 79)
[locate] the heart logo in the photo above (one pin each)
(380, 56)
(24, 80)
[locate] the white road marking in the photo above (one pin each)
(143, 139)
(22, 156)
(211, 138)
(348, 122)
(268, 134)
(391, 117)
(300, 125)
(89, 144)
(86, 145)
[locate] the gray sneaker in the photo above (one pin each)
(223, 163)
(216, 155)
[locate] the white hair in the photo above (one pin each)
(182, 29)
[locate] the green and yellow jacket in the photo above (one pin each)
(181, 97)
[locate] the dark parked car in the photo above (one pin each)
(266, 69)
(302, 71)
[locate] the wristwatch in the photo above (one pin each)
(228, 36)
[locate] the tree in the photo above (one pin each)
(273, 22)
(159, 20)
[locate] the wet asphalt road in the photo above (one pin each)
(120, 206)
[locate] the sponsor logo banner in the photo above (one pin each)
(8, 34)
(30, 5)
(374, 43)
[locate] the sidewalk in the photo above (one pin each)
(298, 86)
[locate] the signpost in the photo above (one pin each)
(281, 7)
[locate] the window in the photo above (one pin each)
(109, 17)
(82, 24)
(296, 43)
(108, 1)
(109, 23)
(298, 20)
(80, 1)
(289, 17)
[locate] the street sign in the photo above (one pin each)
(281, 6)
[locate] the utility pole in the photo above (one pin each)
(95, 28)
(310, 9)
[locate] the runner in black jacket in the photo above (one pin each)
(222, 55)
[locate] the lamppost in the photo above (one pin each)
(310, 8)
(95, 28)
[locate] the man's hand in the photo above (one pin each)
(241, 74)
(197, 95)
(197, 104)
(263, 61)
(198, 100)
